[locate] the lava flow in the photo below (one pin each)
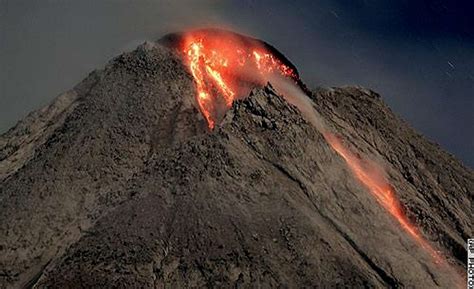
(224, 66)
(370, 176)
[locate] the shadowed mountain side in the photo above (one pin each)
(436, 189)
(61, 175)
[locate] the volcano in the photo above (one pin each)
(203, 160)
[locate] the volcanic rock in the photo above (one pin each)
(119, 183)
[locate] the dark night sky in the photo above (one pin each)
(418, 54)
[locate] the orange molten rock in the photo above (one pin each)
(222, 64)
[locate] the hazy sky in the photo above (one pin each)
(418, 54)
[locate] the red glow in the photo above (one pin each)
(369, 175)
(220, 63)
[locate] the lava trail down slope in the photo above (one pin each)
(123, 181)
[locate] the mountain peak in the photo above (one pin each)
(121, 182)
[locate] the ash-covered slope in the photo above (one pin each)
(436, 189)
(64, 166)
(120, 184)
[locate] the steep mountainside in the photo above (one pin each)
(119, 183)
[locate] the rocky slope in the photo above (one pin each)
(118, 183)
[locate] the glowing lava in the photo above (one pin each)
(369, 175)
(223, 66)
